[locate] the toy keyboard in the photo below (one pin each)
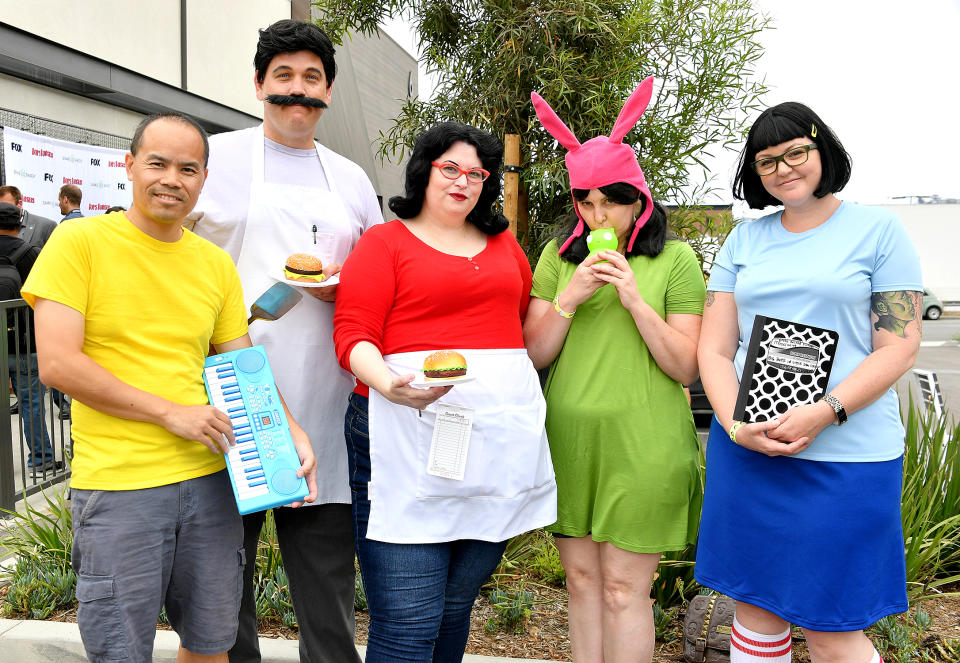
(263, 465)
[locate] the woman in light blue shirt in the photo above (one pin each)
(801, 519)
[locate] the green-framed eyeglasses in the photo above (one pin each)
(795, 156)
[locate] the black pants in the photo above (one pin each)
(316, 543)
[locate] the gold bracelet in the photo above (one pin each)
(737, 425)
(556, 306)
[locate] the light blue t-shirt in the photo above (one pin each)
(825, 277)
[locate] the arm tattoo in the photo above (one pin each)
(711, 295)
(895, 310)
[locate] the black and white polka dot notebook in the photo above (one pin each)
(788, 364)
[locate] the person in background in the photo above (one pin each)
(444, 276)
(801, 518)
(34, 229)
(618, 329)
(69, 199)
(22, 346)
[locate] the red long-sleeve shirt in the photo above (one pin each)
(402, 295)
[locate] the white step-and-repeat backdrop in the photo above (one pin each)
(39, 166)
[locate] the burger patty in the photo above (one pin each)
(305, 272)
(445, 372)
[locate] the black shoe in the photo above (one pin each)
(65, 415)
(49, 467)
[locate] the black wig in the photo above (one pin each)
(289, 36)
(430, 145)
(780, 124)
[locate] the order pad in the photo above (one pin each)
(450, 442)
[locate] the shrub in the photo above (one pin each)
(360, 594)
(268, 551)
(512, 608)
(39, 586)
(546, 564)
(272, 598)
(661, 623)
(519, 558)
(905, 639)
(674, 579)
(930, 504)
(41, 542)
(36, 533)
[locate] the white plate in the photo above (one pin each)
(330, 280)
(421, 381)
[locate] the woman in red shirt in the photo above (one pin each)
(441, 476)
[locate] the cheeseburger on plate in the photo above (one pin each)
(443, 365)
(304, 267)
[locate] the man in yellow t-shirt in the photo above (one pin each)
(127, 305)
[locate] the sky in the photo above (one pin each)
(884, 75)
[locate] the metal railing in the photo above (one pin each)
(34, 446)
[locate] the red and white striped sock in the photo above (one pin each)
(747, 646)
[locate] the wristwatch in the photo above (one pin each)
(837, 406)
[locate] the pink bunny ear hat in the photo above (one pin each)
(602, 160)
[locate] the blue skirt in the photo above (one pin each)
(819, 544)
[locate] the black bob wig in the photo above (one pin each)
(780, 124)
(430, 145)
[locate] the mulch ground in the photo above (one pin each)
(546, 631)
(546, 638)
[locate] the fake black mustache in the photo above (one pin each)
(295, 100)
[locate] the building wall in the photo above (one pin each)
(48, 103)
(145, 37)
(221, 42)
(935, 231)
(383, 80)
(96, 27)
(369, 90)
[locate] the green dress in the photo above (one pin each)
(624, 445)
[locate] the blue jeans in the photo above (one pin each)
(25, 377)
(61, 399)
(419, 595)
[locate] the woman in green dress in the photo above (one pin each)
(620, 328)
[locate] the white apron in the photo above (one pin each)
(280, 221)
(508, 487)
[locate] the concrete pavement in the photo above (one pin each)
(28, 641)
(940, 353)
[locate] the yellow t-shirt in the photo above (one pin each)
(151, 309)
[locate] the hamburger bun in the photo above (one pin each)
(444, 364)
(303, 267)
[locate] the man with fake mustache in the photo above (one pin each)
(274, 191)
